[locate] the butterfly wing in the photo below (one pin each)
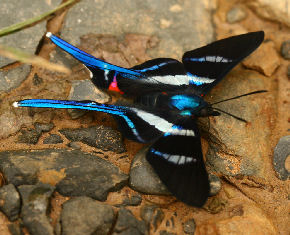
(209, 64)
(139, 79)
(178, 161)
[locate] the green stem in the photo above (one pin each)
(18, 26)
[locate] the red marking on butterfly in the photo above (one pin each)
(114, 86)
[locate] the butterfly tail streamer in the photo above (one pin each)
(88, 60)
(130, 124)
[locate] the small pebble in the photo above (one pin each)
(215, 184)
(10, 201)
(281, 153)
(288, 71)
(189, 226)
(30, 136)
(235, 15)
(285, 50)
(45, 127)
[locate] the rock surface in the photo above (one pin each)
(13, 77)
(127, 224)
(35, 204)
(178, 27)
(258, 60)
(143, 178)
(151, 214)
(28, 38)
(189, 226)
(10, 201)
(101, 137)
(272, 10)
(85, 90)
(215, 184)
(83, 215)
(53, 139)
(74, 173)
(285, 50)
(236, 14)
(281, 153)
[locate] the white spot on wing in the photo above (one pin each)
(15, 104)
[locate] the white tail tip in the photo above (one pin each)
(15, 104)
(48, 34)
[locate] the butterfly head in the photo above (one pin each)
(192, 105)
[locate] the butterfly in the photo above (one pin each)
(168, 99)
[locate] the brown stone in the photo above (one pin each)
(264, 59)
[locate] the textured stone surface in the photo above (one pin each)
(285, 50)
(26, 39)
(35, 203)
(189, 226)
(143, 178)
(179, 25)
(53, 139)
(134, 200)
(151, 214)
(10, 201)
(281, 153)
(249, 220)
(83, 215)
(29, 136)
(238, 152)
(85, 90)
(127, 224)
(10, 116)
(259, 59)
(277, 10)
(74, 173)
(101, 137)
(236, 14)
(13, 77)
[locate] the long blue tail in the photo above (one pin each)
(87, 59)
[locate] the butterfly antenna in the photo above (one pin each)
(239, 96)
(234, 116)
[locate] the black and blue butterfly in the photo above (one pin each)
(168, 100)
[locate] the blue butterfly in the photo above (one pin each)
(167, 97)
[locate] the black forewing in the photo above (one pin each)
(188, 182)
(157, 75)
(215, 60)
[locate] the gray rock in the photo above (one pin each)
(189, 226)
(30, 136)
(83, 215)
(127, 224)
(10, 201)
(27, 39)
(151, 214)
(143, 178)
(288, 72)
(43, 127)
(281, 153)
(215, 184)
(12, 78)
(85, 174)
(85, 90)
(235, 15)
(180, 25)
(104, 138)
(15, 229)
(134, 200)
(53, 139)
(35, 204)
(37, 80)
(285, 50)
(74, 145)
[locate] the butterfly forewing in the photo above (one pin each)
(209, 64)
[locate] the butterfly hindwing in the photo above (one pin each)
(209, 64)
(178, 161)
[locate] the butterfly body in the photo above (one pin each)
(167, 100)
